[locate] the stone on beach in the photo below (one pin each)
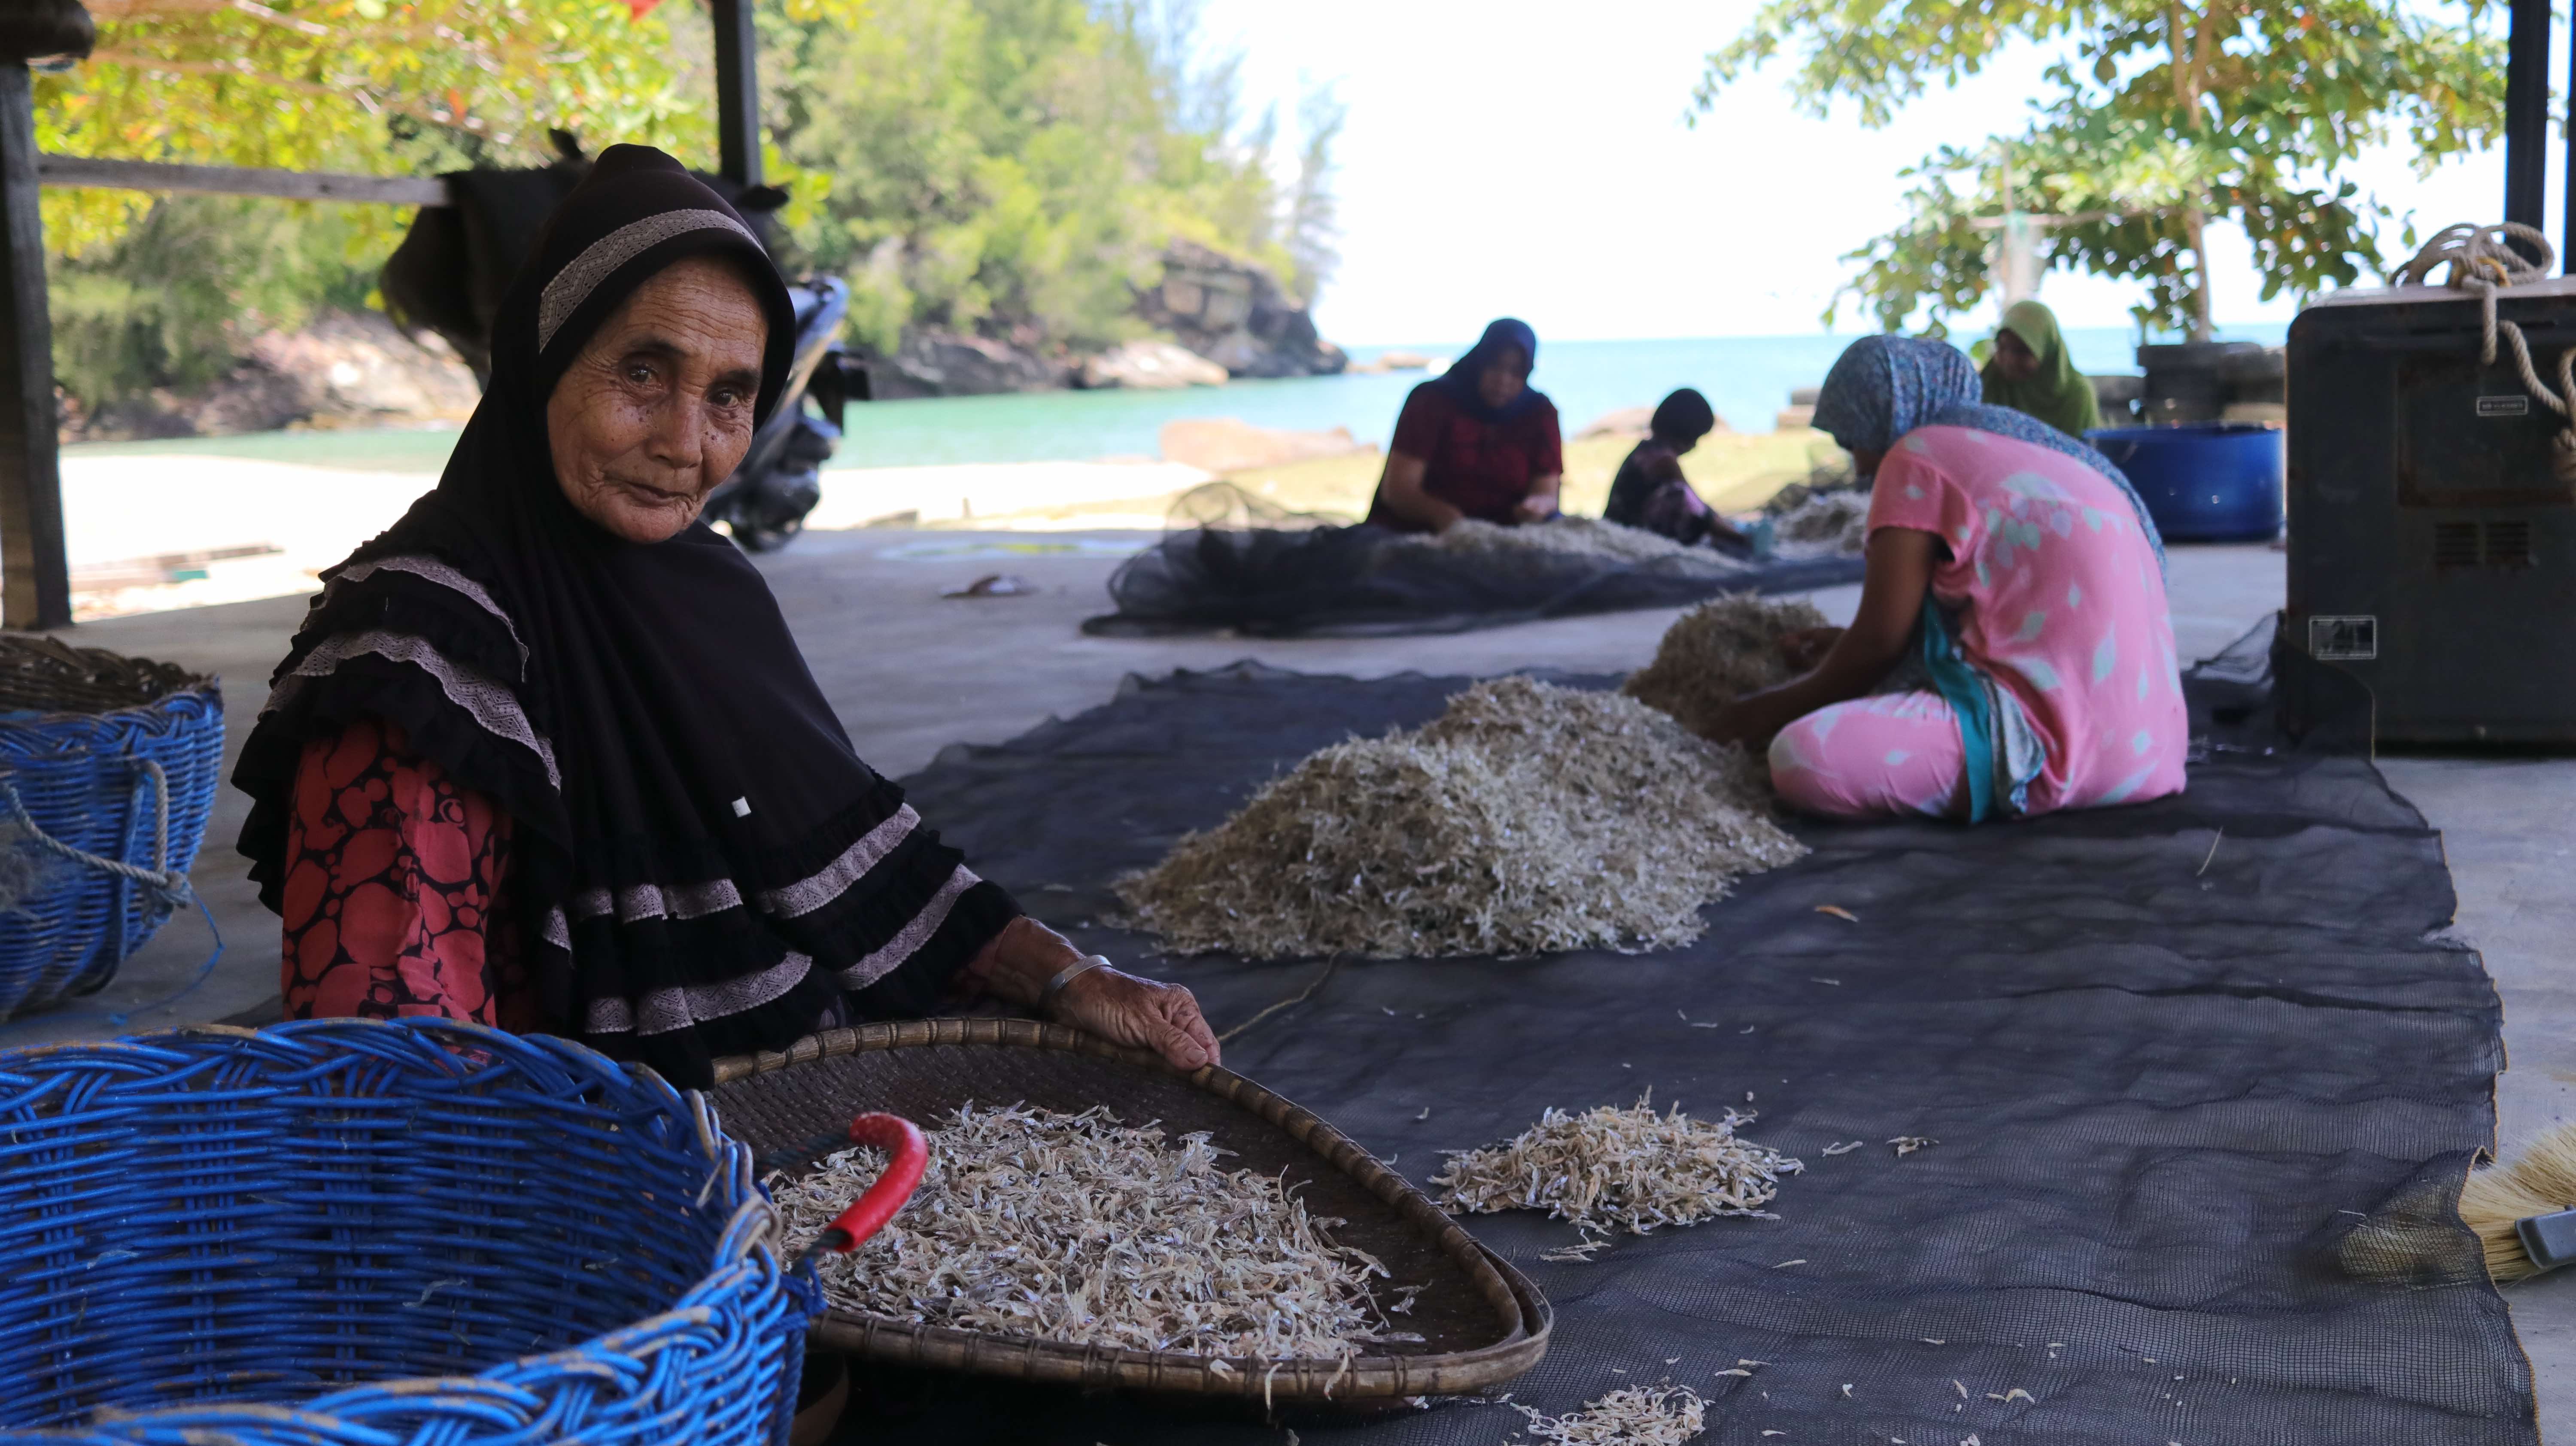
(1150, 365)
(1224, 445)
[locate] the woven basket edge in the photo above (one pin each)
(1508, 1292)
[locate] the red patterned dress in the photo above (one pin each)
(393, 890)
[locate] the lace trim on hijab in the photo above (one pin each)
(429, 569)
(915, 934)
(834, 879)
(573, 285)
(663, 1011)
(492, 706)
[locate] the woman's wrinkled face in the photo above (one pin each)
(657, 409)
(2014, 358)
(1503, 377)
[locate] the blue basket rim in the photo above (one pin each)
(752, 1238)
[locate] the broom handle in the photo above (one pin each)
(910, 1155)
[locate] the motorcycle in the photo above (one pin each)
(765, 502)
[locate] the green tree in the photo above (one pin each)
(1012, 168)
(1314, 221)
(372, 86)
(2164, 116)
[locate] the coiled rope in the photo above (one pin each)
(168, 885)
(2482, 259)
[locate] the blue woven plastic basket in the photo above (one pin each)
(353, 1231)
(108, 768)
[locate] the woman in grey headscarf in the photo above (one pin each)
(2022, 571)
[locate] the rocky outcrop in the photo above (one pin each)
(344, 369)
(1149, 366)
(1237, 315)
(1225, 445)
(951, 364)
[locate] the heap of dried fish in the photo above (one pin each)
(1828, 522)
(1636, 1416)
(1077, 1228)
(1612, 1169)
(1558, 537)
(1527, 818)
(1717, 652)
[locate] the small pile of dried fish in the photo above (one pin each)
(1077, 1228)
(1828, 522)
(1717, 652)
(1636, 1416)
(1610, 1168)
(1559, 537)
(1527, 818)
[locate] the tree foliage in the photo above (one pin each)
(370, 86)
(1016, 167)
(2162, 116)
(1012, 167)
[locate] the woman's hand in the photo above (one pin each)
(1752, 719)
(1542, 501)
(1803, 648)
(1143, 1013)
(1016, 964)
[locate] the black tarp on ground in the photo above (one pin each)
(2168, 1083)
(1365, 581)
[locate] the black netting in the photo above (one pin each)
(1232, 563)
(2201, 1109)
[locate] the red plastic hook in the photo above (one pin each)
(899, 1138)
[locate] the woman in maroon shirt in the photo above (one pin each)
(1474, 441)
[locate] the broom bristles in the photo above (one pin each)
(2539, 1180)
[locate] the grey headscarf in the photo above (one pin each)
(1883, 387)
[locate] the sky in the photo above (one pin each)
(1506, 157)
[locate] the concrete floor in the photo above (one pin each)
(911, 673)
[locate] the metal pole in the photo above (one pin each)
(35, 580)
(738, 90)
(2526, 113)
(2567, 234)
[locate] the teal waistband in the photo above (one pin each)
(1968, 699)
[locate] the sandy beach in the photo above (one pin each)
(149, 533)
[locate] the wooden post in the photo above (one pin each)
(35, 579)
(738, 91)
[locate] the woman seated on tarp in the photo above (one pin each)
(1474, 441)
(2012, 653)
(2031, 373)
(1650, 491)
(545, 756)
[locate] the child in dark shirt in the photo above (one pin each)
(1650, 491)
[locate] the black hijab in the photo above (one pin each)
(1508, 333)
(701, 863)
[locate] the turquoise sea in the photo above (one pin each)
(1748, 379)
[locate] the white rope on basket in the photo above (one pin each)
(169, 884)
(2482, 259)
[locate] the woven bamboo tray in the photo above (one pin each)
(1482, 1321)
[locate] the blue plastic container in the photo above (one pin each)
(2205, 482)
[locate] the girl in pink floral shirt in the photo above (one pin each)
(2013, 652)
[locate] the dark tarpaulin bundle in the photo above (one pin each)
(2203, 1076)
(1235, 562)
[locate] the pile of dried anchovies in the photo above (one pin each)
(1718, 652)
(1557, 537)
(1076, 1228)
(1528, 818)
(1610, 1168)
(1636, 1416)
(1826, 523)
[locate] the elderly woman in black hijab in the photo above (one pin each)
(545, 755)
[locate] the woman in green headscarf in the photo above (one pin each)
(2031, 373)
